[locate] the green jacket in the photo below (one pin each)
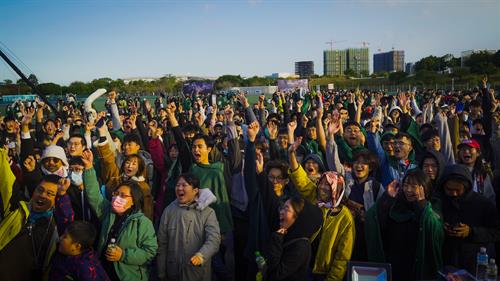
(428, 259)
(137, 237)
(212, 177)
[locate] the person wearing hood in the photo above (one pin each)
(362, 189)
(289, 248)
(433, 164)
(405, 231)
(267, 187)
(469, 155)
(337, 233)
(127, 241)
(471, 221)
(188, 235)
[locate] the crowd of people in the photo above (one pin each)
(289, 188)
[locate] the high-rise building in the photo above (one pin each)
(358, 59)
(389, 61)
(410, 68)
(334, 62)
(304, 69)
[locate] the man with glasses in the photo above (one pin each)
(393, 167)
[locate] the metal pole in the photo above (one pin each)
(25, 79)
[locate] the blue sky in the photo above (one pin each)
(65, 41)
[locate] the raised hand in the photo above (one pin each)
(243, 100)
(333, 127)
(259, 162)
(253, 130)
(229, 113)
(485, 81)
(393, 188)
(292, 125)
(27, 116)
(29, 163)
(63, 186)
(112, 96)
(272, 129)
(88, 158)
(293, 147)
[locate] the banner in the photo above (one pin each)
(284, 85)
(197, 87)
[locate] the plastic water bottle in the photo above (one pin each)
(492, 271)
(112, 243)
(481, 264)
(261, 264)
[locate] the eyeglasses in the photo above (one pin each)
(42, 190)
(401, 143)
(122, 195)
(274, 179)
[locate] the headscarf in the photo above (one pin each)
(334, 189)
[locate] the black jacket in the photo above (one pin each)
(473, 210)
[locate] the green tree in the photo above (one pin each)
(350, 73)
(228, 81)
(7, 82)
(481, 63)
(49, 88)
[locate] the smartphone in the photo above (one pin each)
(100, 123)
(214, 100)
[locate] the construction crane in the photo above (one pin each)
(364, 43)
(333, 42)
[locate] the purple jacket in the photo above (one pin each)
(84, 267)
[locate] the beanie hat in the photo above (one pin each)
(55, 151)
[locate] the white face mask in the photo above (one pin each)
(76, 178)
(465, 117)
(62, 172)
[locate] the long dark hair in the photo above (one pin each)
(418, 176)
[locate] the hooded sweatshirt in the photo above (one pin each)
(472, 209)
(289, 254)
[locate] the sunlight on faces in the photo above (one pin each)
(200, 151)
(50, 128)
(433, 144)
(388, 146)
(361, 169)
(277, 180)
(52, 164)
(131, 166)
(430, 168)
(283, 141)
(44, 196)
(311, 133)
(130, 148)
(75, 146)
(402, 148)
(125, 193)
(411, 189)
(185, 192)
(467, 155)
(352, 135)
(311, 167)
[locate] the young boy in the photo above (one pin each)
(76, 260)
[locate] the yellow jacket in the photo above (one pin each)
(12, 221)
(337, 237)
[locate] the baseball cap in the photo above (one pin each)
(472, 143)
